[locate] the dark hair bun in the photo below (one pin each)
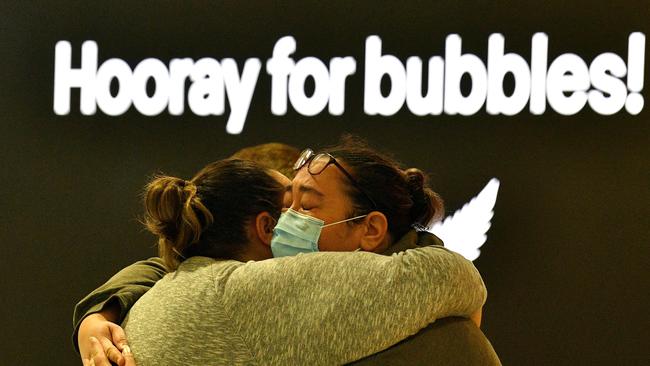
(427, 204)
(415, 179)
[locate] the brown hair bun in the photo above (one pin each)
(171, 213)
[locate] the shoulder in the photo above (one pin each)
(305, 263)
(303, 271)
(198, 269)
(414, 239)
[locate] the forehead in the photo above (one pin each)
(328, 182)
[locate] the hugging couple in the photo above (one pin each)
(328, 268)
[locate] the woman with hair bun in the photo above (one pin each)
(373, 185)
(180, 212)
(224, 304)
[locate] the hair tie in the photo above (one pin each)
(190, 188)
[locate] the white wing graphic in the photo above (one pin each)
(465, 231)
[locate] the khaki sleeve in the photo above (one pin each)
(123, 290)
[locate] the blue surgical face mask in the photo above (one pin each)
(298, 233)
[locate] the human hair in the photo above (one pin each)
(273, 155)
(207, 215)
(402, 195)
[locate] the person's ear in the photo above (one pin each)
(375, 236)
(264, 224)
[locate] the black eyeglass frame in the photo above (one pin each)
(307, 156)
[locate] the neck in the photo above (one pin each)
(254, 252)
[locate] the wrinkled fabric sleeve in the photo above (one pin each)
(123, 290)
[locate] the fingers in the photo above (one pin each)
(102, 352)
(110, 351)
(118, 335)
(119, 339)
(97, 355)
(101, 342)
(128, 356)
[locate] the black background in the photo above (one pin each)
(566, 261)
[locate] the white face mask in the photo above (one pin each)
(298, 233)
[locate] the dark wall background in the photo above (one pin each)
(566, 261)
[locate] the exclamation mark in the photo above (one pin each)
(635, 63)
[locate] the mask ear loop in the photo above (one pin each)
(346, 220)
(275, 223)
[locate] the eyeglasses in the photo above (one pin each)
(317, 163)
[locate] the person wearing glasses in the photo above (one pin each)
(350, 198)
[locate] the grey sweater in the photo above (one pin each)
(317, 309)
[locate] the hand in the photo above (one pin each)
(101, 341)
